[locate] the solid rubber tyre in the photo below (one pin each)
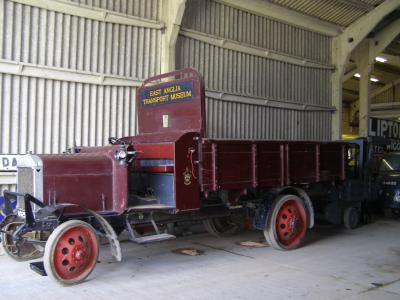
(351, 217)
(71, 252)
(286, 224)
(29, 251)
(221, 227)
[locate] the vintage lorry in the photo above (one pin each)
(379, 158)
(169, 173)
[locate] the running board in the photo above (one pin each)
(157, 237)
(153, 238)
(150, 208)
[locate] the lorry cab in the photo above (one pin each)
(388, 179)
(374, 162)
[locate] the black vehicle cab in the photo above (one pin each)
(389, 181)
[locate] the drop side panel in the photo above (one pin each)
(246, 164)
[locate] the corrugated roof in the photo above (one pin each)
(339, 12)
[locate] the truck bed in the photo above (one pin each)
(236, 164)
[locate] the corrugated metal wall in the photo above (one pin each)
(45, 115)
(346, 118)
(390, 95)
(224, 21)
(8, 187)
(147, 9)
(340, 12)
(230, 120)
(240, 73)
(246, 74)
(48, 38)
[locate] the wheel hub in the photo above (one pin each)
(293, 223)
(79, 254)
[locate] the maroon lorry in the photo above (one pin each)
(170, 173)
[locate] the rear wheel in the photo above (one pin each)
(287, 223)
(351, 217)
(22, 250)
(222, 226)
(71, 252)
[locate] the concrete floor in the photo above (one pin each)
(335, 264)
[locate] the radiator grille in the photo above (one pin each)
(25, 180)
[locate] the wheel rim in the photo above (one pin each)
(75, 253)
(291, 223)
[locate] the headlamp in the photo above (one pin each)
(121, 154)
(396, 197)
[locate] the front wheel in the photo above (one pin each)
(21, 250)
(71, 252)
(287, 223)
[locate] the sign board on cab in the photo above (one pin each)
(172, 93)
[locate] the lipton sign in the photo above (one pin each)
(384, 128)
